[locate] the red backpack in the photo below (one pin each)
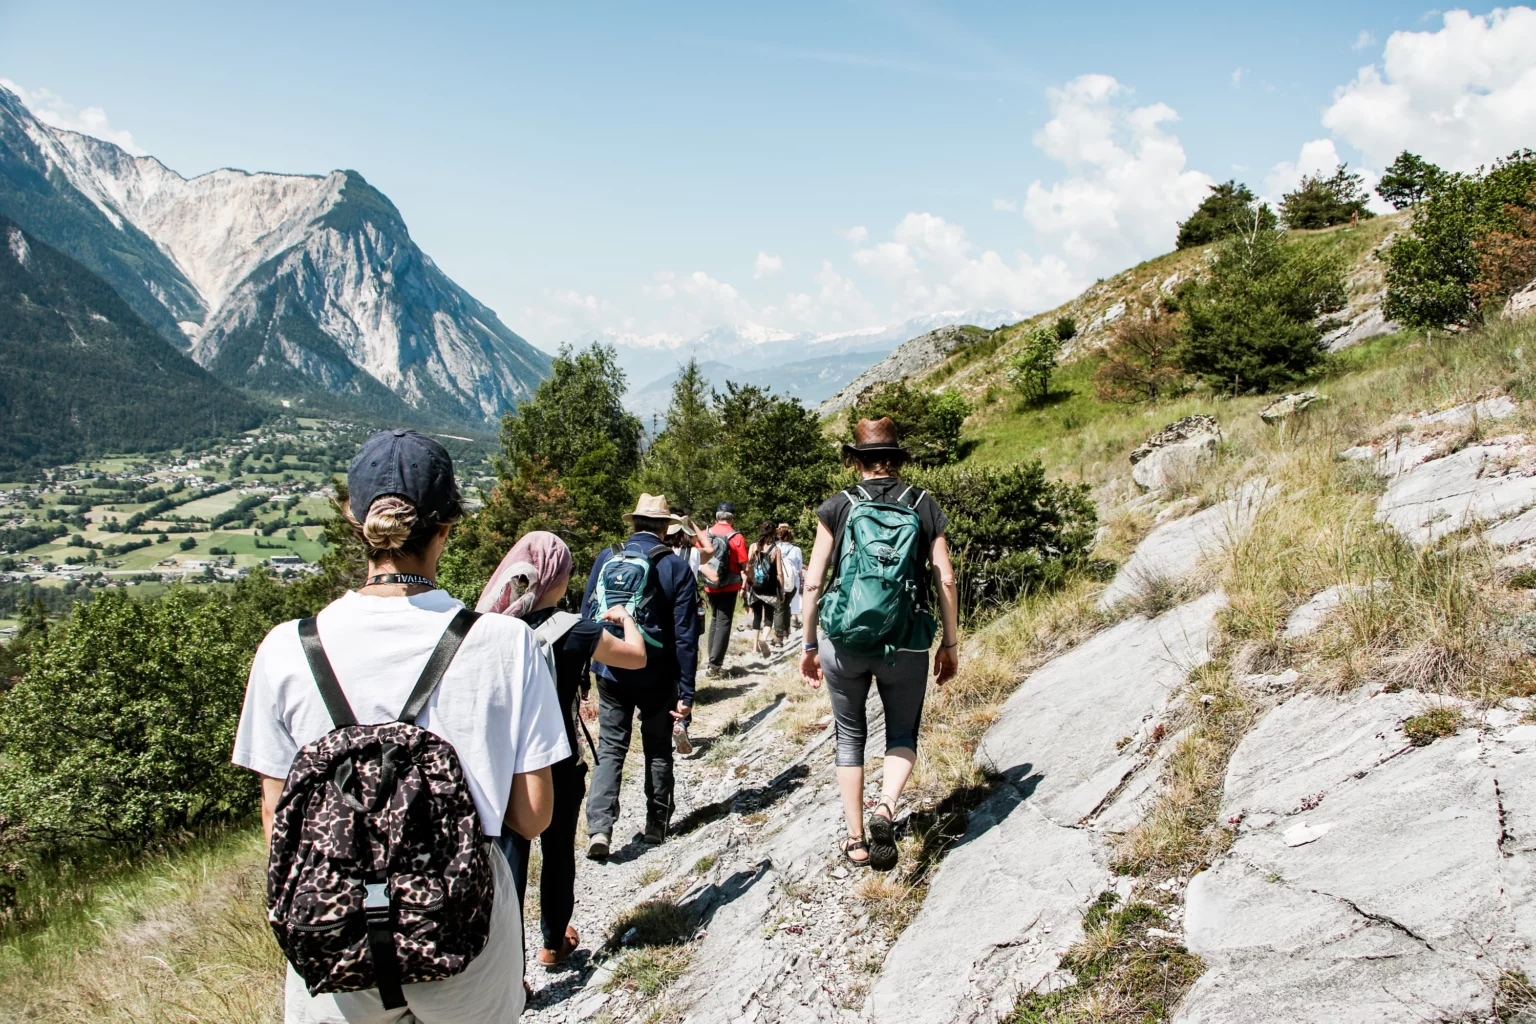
(378, 875)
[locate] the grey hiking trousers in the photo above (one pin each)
(902, 686)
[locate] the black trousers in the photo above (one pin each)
(722, 607)
(616, 710)
(557, 876)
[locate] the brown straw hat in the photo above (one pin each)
(653, 506)
(875, 437)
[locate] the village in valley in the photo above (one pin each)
(183, 517)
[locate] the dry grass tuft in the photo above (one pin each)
(185, 932)
(1181, 833)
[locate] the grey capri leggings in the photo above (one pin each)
(902, 686)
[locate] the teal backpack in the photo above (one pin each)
(872, 608)
(626, 579)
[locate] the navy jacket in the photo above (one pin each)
(674, 663)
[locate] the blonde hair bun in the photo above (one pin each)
(389, 524)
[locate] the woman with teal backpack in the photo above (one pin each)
(884, 540)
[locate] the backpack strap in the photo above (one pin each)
(325, 676)
(442, 657)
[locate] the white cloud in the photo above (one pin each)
(57, 112)
(1237, 77)
(857, 234)
(1131, 185)
(767, 266)
(1363, 40)
(1460, 96)
(934, 266)
(1006, 205)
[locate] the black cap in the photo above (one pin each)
(401, 462)
(727, 508)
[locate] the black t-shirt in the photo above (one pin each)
(572, 653)
(833, 514)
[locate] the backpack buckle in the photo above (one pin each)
(378, 896)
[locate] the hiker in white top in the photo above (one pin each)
(496, 705)
(794, 571)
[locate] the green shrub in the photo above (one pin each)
(1433, 273)
(928, 423)
(1229, 209)
(1030, 370)
(1320, 202)
(1010, 530)
(121, 728)
(1254, 323)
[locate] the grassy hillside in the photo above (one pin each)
(1001, 432)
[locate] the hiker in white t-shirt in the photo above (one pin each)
(496, 705)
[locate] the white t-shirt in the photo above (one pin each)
(496, 703)
(794, 564)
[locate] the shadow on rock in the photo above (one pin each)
(947, 826)
(755, 798)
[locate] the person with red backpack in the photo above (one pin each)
(722, 583)
(884, 541)
(396, 734)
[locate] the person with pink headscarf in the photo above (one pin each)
(528, 584)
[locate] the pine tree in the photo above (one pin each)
(685, 463)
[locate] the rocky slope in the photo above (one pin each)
(306, 288)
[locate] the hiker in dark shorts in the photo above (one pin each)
(527, 585)
(901, 670)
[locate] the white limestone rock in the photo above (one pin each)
(1171, 457)
(1441, 495)
(1175, 549)
(1522, 303)
(1289, 405)
(1008, 899)
(1369, 323)
(1307, 618)
(1370, 880)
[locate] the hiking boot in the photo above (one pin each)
(655, 833)
(680, 741)
(714, 672)
(597, 846)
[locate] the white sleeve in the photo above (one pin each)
(540, 731)
(263, 743)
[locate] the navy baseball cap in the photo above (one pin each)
(727, 508)
(406, 463)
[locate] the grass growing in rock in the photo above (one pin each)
(650, 970)
(1422, 730)
(1181, 833)
(1123, 974)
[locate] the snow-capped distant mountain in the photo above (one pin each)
(302, 287)
(749, 346)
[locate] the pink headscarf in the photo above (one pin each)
(540, 558)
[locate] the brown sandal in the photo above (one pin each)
(852, 843)
(568, 944)
(882, 837)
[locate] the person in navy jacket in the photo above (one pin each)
(661, 692)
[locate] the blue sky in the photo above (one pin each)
(819, 166)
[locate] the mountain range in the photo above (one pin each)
(809, 364)
(83, 371)
(306, 289)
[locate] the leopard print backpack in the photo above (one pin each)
(379, 875)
